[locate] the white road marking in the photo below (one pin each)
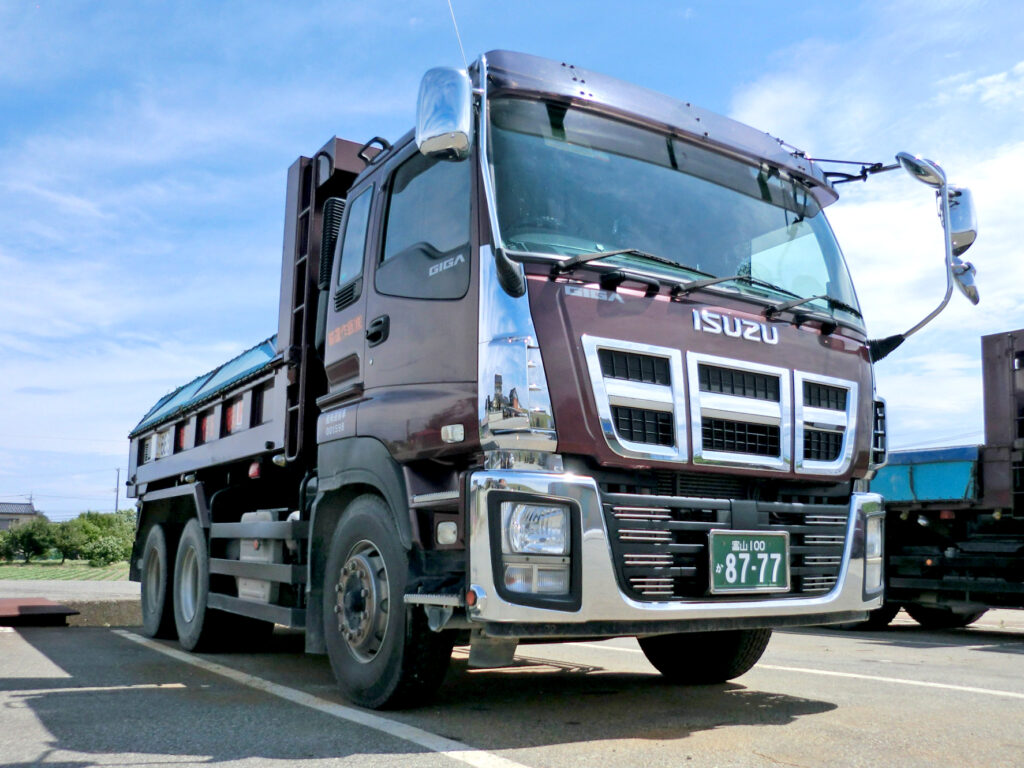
(99, 689)
(897, 680)
(849, 675)
(447, 747)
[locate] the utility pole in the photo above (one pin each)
(117, 490)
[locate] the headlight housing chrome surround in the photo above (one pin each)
(535, 549)
(874, 553)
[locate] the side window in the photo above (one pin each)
(426, 239)
(353, 245)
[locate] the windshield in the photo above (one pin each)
(569, 181)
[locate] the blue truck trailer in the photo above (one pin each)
(954, 536)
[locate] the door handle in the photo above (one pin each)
(377, 331)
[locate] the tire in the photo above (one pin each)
(383, 654)
(877, 620)
(703, 658)
(198, 627)
(934, 617)
(157, 609)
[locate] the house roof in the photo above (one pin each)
(17, 508)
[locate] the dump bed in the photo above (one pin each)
(232, 413)
(932, 475)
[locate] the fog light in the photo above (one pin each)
(534, 529)
(873, 575)
(530, 578)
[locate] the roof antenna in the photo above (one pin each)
(457, 35)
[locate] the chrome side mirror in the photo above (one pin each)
(960, 227)
(923, 170)
(963, 222)
(444, 115)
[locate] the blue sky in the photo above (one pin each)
(144, 145)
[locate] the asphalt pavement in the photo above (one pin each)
(819, 697)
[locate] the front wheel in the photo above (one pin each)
(702, 658)
(935, 617)
(383, 653)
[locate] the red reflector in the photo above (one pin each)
(254, 471)
(947, 514)
(470, 598)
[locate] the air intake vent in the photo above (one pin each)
(823, 396)
(820, 445)
(642, 426)
(333, 209)
(347, 295)
(728, 381)
(740, 437)
(634, 367)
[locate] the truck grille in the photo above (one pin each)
(642, 426)
(646, 369)
(738, 413)
(823, 396)
(740, 437)
(660, 543)
(729, 381)
(820, 445)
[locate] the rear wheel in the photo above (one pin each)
(935, 617)
(383, 653)
(701, 658)
(157, 609)
(198, 627)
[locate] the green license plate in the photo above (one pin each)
(749, 561)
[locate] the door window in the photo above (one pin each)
(426, 240)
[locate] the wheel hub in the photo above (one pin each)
(362, 601)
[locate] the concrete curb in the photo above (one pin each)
(105, 613)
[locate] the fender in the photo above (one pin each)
(348, 468)
(176, 505)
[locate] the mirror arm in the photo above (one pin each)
(511, 275)
(879, 348)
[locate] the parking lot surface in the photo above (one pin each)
(819, 697)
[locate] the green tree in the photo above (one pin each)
(32, 539)
(107, 537)
(7, 551)
(70, 539)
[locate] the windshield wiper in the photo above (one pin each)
(696, 285)
(567, 266)
(770, 312)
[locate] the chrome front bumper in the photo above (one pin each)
(603, 604)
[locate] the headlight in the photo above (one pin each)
(534, 529)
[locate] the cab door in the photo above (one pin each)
(421, 312)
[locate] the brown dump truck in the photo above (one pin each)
(571, 359)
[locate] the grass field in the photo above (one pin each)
(70, 571)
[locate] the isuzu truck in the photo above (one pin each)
(571, 359)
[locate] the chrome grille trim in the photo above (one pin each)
(641, 513)
(818, 583)
(742, 409)
(824, 520)
(609, 391)
(807, 416)
(822, 559)
(824, 540)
